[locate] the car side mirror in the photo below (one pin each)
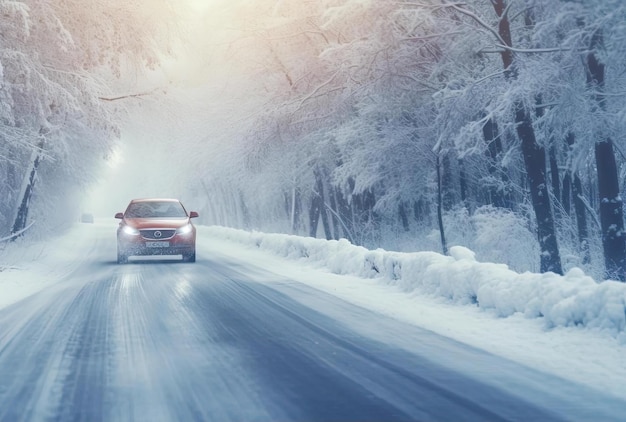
(119, 215)
(193, 214)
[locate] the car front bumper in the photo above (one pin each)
(135, 246)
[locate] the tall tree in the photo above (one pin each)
(533, 152)
(534, 155)
(611, 204)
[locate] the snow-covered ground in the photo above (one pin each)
(27, 267)
(568, 325)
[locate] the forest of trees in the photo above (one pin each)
(59, 66)
(495, 124)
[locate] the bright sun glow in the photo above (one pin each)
(116, 158)
(200, 5)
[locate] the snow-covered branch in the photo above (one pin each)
(18, 233)
(126, 96)
(459, 8)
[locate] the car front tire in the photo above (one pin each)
(121, 258)
(190, 257)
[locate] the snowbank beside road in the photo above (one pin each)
(28, 266)
(574, 299)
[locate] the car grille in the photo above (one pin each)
(157, 234)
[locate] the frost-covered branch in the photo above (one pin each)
(431, 36)
(459, 8)
(525, 50)
(317, 89)
(123, 97)
(17, 234)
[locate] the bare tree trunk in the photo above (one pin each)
(566, 193)
(444, 245)
(581, 219)
(554, 173)
(344, 215)
(572, 188)
(535, 162)
(322, 201)
(611, 212)
(421, 212)
(447, 185)
(334, 212)
(462, 184)
(21, 215)
(295, 211)
(494, 149)
(314, 214)
(404, 219)
(611, 205)
(552, 156)
(534, 159)
(318, 209)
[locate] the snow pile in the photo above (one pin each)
(574, 299)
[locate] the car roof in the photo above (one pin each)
(155, 200)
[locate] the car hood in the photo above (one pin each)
(156, 223)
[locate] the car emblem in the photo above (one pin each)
(158, 234)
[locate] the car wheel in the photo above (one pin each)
(190, 257)
(121, 258)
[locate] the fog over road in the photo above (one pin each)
(221, 339)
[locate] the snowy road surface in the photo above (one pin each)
(223, 340)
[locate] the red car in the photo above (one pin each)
(156, 227)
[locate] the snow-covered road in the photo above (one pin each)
(223, 339)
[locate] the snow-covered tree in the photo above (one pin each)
(341, 112)
(55, 125)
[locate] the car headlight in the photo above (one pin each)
(185, 229)
(130, 230)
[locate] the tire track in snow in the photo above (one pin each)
(50, 356)
(87, 356)
(168, 362)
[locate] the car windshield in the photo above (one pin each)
(156, 209)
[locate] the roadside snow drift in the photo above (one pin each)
(574, 299)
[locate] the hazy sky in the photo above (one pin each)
(142, 165)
